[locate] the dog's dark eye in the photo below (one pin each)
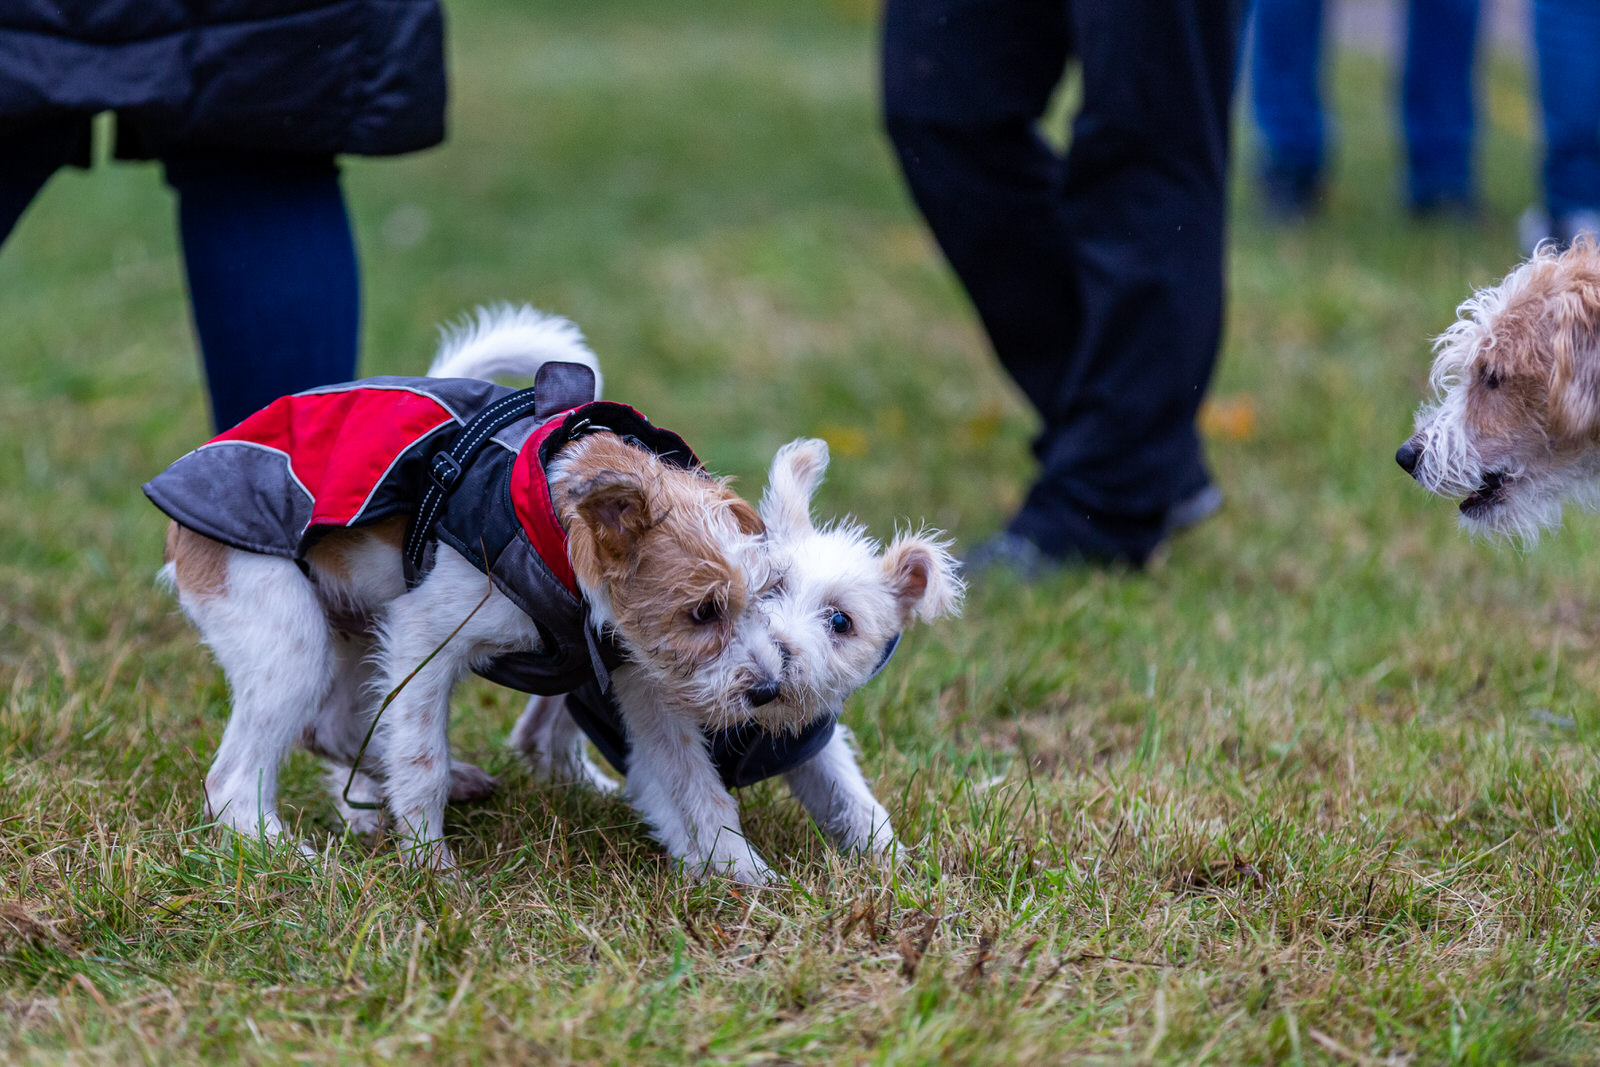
(706, 612)
(1491, 380)
(839, 622)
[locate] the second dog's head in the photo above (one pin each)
(673, 561)
(839, 601)
(1515, 426)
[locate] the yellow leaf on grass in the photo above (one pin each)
(1229, 418)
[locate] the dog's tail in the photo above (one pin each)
(512, 340)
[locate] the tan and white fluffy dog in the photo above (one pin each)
(1514, 428)
(836, 601)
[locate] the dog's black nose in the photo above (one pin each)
(1407, 457)
(764, 693)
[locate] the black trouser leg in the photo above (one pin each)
(1103, 302)
(27, 160)
(964, 83)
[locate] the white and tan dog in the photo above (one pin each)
(1514, 429)
(669, 559)
(838, 601)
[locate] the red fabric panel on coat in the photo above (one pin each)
(341, 443)
(530, 497)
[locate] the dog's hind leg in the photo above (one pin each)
(832, 789)
(261, 617)
(432, 634)
(341, 727)
(554, 746)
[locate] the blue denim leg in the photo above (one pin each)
(1436, 99)
(1567, 37)
(272, 274)
(1285, 86)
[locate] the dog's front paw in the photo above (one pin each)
(737, 863)
(470, 783)
(863, 829)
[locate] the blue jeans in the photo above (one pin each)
(1436, 92)
(271, 264)
(1566, 36)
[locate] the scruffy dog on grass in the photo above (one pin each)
(1514, 430)
(391, 535)
(837, 609)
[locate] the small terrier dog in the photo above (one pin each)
(311, 624)
(1514, 430)
(836, 605)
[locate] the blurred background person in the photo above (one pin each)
(246, 114)
(1436, 105)
(1566, 37)
(1098, 275)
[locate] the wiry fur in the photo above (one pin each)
(1514, 428)
(815, 573)
(829, 570)
(306, 653)
(812, 573)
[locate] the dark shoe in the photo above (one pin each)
(1009, 552)
(1193, 509)
(1290, 194)
(1024, 558)
(1445, 207)
(1535, 227)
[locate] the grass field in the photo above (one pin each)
(1319, 787)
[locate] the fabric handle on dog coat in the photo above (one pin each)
(445, 468)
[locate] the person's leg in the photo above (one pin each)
(964, 83)
(1145, 187)
(28, 158)
(1566, 35)
(1437, 102)
(273, 276)
(1286, 99)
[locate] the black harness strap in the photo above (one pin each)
(743, 754)
(445, 468)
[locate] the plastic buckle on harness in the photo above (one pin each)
(444, 471)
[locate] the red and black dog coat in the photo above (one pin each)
(466, 460)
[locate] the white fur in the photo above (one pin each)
(555, 747)
(511, 340)
(672, 781)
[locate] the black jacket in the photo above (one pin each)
(283, 76)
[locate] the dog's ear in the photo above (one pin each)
(615, 508)
(745, 517)
(1573, 318)
(797, 470)
(924, 578)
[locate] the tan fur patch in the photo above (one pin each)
(334, 554)
(656, 539)
(1538, 366)
(201, 564)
